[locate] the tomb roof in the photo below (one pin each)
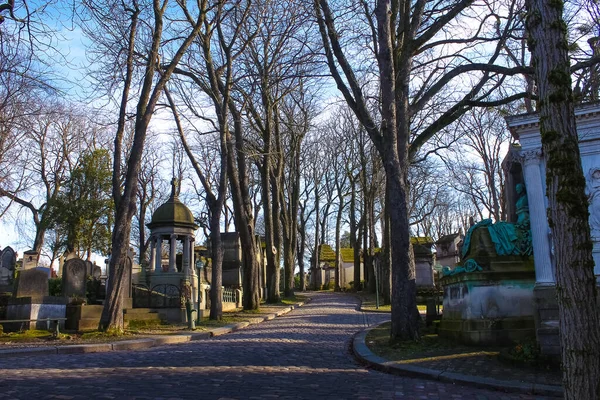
(173, 213)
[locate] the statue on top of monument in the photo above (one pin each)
(508, 238)
(522, 206)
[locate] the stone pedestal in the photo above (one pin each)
(35, 308)
(83, 317)
(492, 307)
(546, 319)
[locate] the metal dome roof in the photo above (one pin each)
(173, 213)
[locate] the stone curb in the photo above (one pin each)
(138, 344)
(374, 311)
(365, 356)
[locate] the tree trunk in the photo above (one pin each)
(143, 244)
(394, 152)
(367, 256)
(272, 266)
(353, 242)
(372, 239)
(40, 233)
(216, 287)
(568, 215)
(242, 207)
(316, 261)
(385, 253)
(338, 252)
(112, 313)
(302, 248)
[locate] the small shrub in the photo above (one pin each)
(93, 288)
(77, 300)
(54, 286)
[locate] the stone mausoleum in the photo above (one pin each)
(504, 287)
(527, 163)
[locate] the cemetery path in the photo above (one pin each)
(302, 355)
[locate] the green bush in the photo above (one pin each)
(93, 289)
(55, 286)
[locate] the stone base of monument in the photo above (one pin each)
(148, 315)
(6, 288)
(82, 317)
(491, 307)
(36, 309)
(546, 320)
(165, 278)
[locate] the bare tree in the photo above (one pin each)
(158, 66)
(276, 64)
(215, 199)
(148, 197)
(577, 294)
(476, 167)
(52, 141)
(407, 40)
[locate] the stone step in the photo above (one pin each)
(140, 311)
(553, 323)
(141, 317)
(85, 324)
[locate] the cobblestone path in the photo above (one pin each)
(302, 355)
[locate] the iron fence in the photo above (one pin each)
(159, 296)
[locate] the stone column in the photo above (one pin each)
(192, 256)
(193, 275)
(152, 261)
(158, 254)
(172, 253)
(544, 275)
(186, 257)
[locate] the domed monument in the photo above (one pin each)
(172, 222)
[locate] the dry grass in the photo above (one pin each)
(430, 347)
(139, 329)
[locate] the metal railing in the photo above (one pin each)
(229, 295)
(159, 296)
(47, 320)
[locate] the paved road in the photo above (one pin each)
(302, 355)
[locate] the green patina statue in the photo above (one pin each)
(522, 206)
(510, 239)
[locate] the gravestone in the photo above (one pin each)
(232, 259)
(31, 302)
(8, 260)
(31, 283)
(97, 272)
(74, 278)
(89, 268)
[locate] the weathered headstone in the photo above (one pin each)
(31, 283)
(97, 272)
(89, 268)
(8, 260)
(74, 278)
